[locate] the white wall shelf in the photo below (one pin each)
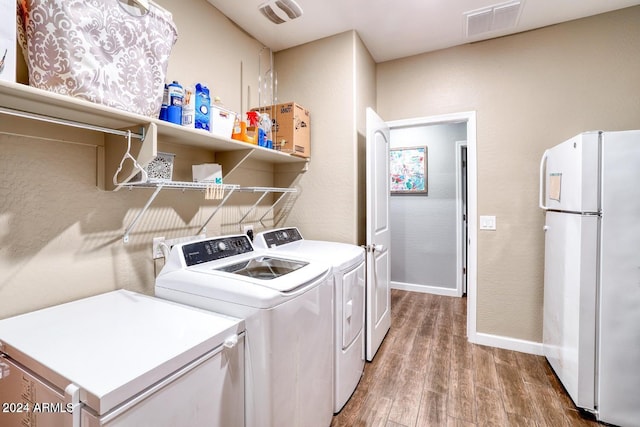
(223, 193)
(121, 127)
(22, 98)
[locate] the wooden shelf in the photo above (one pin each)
(28, 99)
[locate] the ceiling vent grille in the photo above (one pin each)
(493, 18)
(280, 11)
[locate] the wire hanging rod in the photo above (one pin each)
(71, 123)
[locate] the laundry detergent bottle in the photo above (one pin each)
(176, 98)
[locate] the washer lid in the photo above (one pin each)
(113, 345)
(264, 268)
(259, 269)
(340, 256)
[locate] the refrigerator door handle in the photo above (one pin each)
(542, 193)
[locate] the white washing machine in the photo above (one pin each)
(287, 306)
(348, 271)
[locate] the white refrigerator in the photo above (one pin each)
(590, 190)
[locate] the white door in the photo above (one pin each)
(378, 310)
(619, 298)
(569, 317)
(570, 179)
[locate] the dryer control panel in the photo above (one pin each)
(281, 237)
(214, 249)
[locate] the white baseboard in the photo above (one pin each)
(436, 290)
(507, 343)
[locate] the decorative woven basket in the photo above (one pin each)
(101, 51)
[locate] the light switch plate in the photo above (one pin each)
(487, 222)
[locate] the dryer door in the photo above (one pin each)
(353, 283)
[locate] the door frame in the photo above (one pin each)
(468, 117)
(461, 232)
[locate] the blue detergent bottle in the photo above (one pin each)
(203, 105)
(176, 97)
(164, 114)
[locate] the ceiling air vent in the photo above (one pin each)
(280, 11)
(493, 18)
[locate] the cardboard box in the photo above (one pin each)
(207, 172)
(8, 36)
(291, 131)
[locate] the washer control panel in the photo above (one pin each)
(214, 249)
(281, 237)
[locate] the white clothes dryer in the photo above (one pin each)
(348, 271)
(286, 303)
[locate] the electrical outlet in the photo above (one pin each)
(248, 230)
(487, 222)
(160, 242)
(157, 249)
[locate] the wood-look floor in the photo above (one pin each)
(426, 373)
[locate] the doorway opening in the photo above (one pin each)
(463, 206)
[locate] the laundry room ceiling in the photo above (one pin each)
(400, 28)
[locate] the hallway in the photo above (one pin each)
(427, 374)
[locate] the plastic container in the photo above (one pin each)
(264, 134)
(222, 121)
(176, 98)
(189, 107)
(240, 133)
(164, 112)
(262, 137)
(203, 108)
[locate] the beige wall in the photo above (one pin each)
(61, 237)
(365, 96)
(530, 91)
(210, 49)
(333, 78)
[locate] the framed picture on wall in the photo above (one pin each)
(408, 168)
